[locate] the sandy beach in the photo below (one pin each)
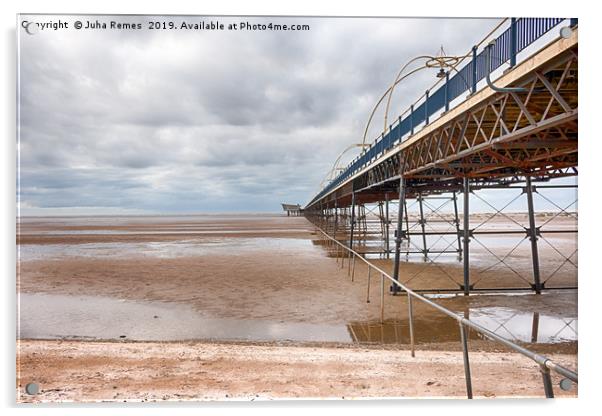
(262, 273)
(96, 371)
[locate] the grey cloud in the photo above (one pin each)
(191, 121)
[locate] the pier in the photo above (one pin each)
(409, 193)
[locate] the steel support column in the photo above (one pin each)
(336, 220)
(387, 245)
(408, 236)
(422, 227)
(466, 231)
(352, 220)
(398, 233)
(457, 223)
(533, 237)
(352, 225)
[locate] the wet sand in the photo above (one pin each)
(258, 270)
(288, 278)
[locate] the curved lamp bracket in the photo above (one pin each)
(488, 78)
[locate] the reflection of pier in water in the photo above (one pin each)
(519, 326)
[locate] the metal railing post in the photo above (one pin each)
(411, 323)
(382, 298)
(464, 342)
(368, 291)
(346, 256)
(474, 70)
(547, 382)
(513, 42)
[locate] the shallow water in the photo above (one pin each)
(167, 249)
(47, 316)
(178, 230)
(524, 318)
(514, 325)
(112, 220)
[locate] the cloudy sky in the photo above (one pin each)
(199, 121)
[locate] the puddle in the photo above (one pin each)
(45, 316)
(531, 327)
(548, 318)
(168, 231)
(511, 324)
(110, 220)
(168, 249)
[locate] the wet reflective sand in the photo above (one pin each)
(46, 316)
(239, 284)
(516, 325)
(169, 249)
(156, 308)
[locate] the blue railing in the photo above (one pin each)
(521, 33)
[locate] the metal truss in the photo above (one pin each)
(432, 234)
(505, 140)
(535, 131)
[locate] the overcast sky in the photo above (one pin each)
(199, 121)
